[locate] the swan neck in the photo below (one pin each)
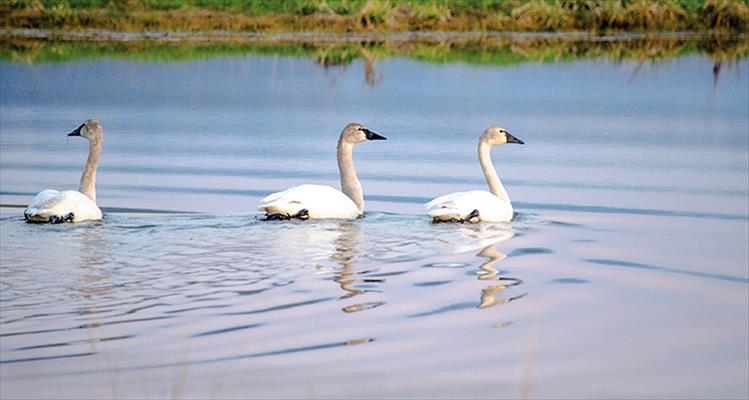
(492, 179)
(88, 179)
(350, 185)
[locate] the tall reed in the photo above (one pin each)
(380, 15)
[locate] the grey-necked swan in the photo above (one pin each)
(72, 205)
(478, 205)
(325, 202)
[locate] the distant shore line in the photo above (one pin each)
(331, 49)
(107, 35)
(376, 15)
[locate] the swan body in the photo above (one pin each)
(70, 205)
(324, 202)
(67, 206)
(478, 205)
(459, 205)
(320, 201)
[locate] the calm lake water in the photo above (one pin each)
(624, 274)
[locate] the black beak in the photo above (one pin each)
(372, 135)
(77, 131)
(513, 139)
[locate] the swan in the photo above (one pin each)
(324, 202)
(72, 205)
(478, 205)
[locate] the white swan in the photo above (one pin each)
(70, 205)
(478, 205)
(325, 202)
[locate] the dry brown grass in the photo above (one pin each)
(726, 14)
(389, 15)
(540, 15)
(654, 15)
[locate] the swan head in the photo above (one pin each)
(495, 135)
(356, 133)
(90, 129)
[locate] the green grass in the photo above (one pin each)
(380, 15)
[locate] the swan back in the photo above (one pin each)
(457, 206)
(51, 204)
(320, 201)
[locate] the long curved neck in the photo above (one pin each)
(88, 179)
(349, 181)
(492, 179)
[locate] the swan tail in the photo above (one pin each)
(444, 214)
(271, 198)
(274, 201)
(34, 215)
(437, 202)
(281, 208)
(446, 201)
(43, 206)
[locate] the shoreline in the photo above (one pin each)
(220, 36)
(335, 49)
(380, 16)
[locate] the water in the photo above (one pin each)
(625, 272)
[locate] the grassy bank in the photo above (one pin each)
(379, 15)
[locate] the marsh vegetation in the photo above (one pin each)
(380, 15)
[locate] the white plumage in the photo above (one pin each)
(478, 205)
(325, 202)
(51, 204)
(70, 205)
(458, 206)
(320, 201)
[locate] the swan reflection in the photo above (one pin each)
(94, 280)
(490, 294)
(485, 237)
(469, 237)
(489, 272)
(352, 282)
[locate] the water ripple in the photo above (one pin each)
(74, 342)
(228, 329)
(281, 307)
(45, 358)
(629, 264)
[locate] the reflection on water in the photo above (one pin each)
(494, 256)
(479, 235)
(352, 281)
(490, 273)
(142, 277)
(341, 50)
(208, 295)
